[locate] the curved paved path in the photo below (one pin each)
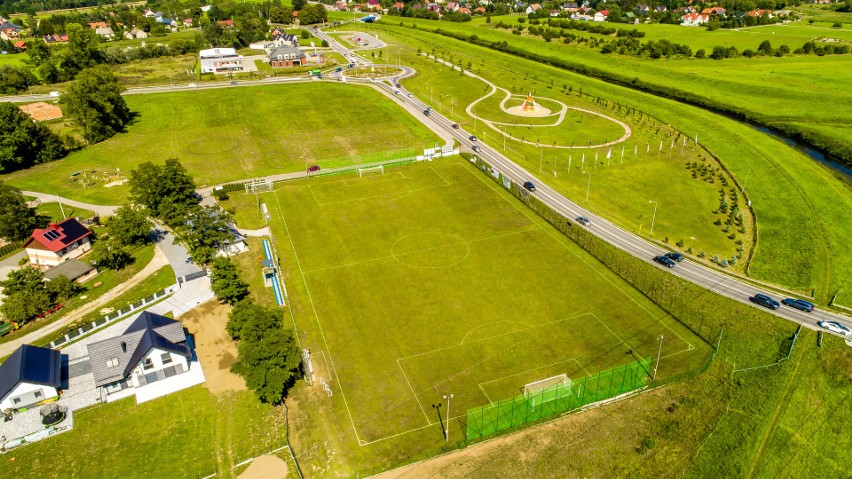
(101, 210)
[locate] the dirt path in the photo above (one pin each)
(157, 262)
(216, 350)
(265, 467)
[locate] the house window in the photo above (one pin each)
(112, 363)
(166, 358)
(38, 394)
(148, 364)
(16, 401)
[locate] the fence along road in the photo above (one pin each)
(703, 276)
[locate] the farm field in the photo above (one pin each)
(781, 182)
(430, 279)
(720, 84)
(266, 136)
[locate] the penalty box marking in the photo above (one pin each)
(528, 370)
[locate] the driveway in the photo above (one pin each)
(176, 254)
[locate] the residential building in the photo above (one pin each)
(286, 56)
(187, 22)
(534, 8)
(601, 16)
(713, 11)
(757, 13)
(9, 31)
(58, 242)
(226, 23)
(96, 25)
(660, 9)
(694, 19)
(151, 350)
(220, 60)
(105, 32)
(643, 9)
(57, 38)
(136, 34)
(287, 39)
(31, 375)
(20, 46)
(73, 269)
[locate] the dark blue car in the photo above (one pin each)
(799, 304)
(764, 301)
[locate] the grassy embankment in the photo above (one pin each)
(232, 134)
(786, 188)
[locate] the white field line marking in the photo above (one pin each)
(492, 337)
(447, 183)
(528, 370)
(316, 315)
(428, 422)
(485, 394)
(493, 322)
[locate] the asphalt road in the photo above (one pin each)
(701, 275)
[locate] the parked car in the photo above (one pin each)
(665, 261)
(835, 327)
(799, 304)
(456, 126)
(529, 185)
(676, 257)
(473, 138)
(314, 168)
(583, 221)
(764, 301)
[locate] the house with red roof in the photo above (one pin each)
(464, 11)
(713, 11)
(757, 13)
(227, 23)
(58, 243)
(601, 16)
(20, 45)
(694, 19)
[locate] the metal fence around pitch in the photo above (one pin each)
(509, 414)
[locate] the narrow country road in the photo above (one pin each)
(101, 210)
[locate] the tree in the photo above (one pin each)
(206, 230)
(249, 321)
(95, 104)
(129, 226)
(110, 254)
(226, 283)
(310, 14)
(26, 294)
(17, 220)
(298, 5)
(12, 80)
(61, 288)
(765, 47)
(24, 143)
(83, 49)
(271, 365)
(166, 191)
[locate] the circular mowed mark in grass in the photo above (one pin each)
(430, 249)
(223, 143)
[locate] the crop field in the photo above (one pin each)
(429, 280)
(237, 133)
(781, 182)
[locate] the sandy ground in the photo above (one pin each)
(216, 351)
(265, 467)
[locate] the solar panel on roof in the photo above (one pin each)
(51, 235)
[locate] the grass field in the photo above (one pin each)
(781, 182)
(231, 134)
(430, 280)
(193, 433)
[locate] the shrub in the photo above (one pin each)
(680, 244)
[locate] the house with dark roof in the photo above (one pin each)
(58, 243)
(31, 375)
(152, 350)
(58, 38)
(73, 269)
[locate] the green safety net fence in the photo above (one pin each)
(558, 398)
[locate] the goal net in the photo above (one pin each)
(257, 186)
(546, 390)
(374, 170)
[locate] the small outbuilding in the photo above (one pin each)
(31, 375)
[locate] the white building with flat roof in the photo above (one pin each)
(220, 60)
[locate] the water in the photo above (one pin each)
(845, 171)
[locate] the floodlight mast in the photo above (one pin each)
(447, 427)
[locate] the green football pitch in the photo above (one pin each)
(431, 279)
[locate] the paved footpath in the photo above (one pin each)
(101, 210)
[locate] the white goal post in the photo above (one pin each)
(546, 390)
(373, 170)
(258, 185)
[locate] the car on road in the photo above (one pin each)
(411, 95)
(529, 185)
(397, 85)
(476, 148)
(372, 80)
(473, 138)
(456, 126)
(835, 327)
(426, 112)
(764, 301)
(665, 261)
(676, 257)
(799, 304)
(54, 94)
(583, 221)
(314, 168)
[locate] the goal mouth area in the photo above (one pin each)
(560, 381)
(373, 170)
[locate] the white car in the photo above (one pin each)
(835, 327)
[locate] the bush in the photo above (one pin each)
(680, 244)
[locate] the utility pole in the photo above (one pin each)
(659, 350)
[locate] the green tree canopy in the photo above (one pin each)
(110, 254)
(249, 321)
(129, 226)
(311, 14)
(24, 143)
(95, 104)
(166, 191)
(226, 283)
(271, 365)
(26, 294)
(17, 220)
(206, 230)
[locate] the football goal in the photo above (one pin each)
(373, 170)
(257, 186)
(546, 390)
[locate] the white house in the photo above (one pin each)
(151, 352)
(220, 60)
(105, 32)
(693, 19)
(31, 375)
(601, 16)
(58, 243)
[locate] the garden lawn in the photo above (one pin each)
(232, 134)
(430, 279)
(190, 433)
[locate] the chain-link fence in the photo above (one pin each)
(556, 399)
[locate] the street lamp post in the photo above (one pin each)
(654, 217)
(657, 365)
(447, 428)
(588, 185)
